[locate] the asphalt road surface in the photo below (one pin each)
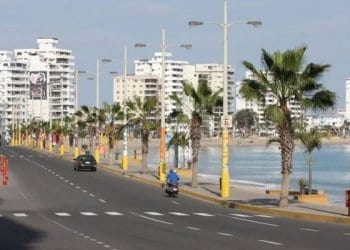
(47, 205)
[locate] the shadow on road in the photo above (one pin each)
(17, 236)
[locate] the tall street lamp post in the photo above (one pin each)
(162, 164)
(125, 114)
(105, 60)
(226, 120)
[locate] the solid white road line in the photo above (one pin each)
(152, 219)
(204, 214)
(154, 213)
(271, 242)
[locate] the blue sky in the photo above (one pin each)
(100, 28)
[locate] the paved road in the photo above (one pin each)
(47, 205)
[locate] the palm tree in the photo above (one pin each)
(109, 115)
(177, 118)
(310, 140)
(202, 103)
(285, 77)
(179, 139)
(143, 114)
(86, 120)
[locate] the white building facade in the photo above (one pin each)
(14, 91)
(51, 79)
(347, 99)
(173, 76)
(213, 75)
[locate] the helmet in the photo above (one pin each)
(175, 171)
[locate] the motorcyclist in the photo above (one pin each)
(172, 177)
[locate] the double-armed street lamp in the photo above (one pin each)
(125, 114)
(226, 120)
(164, 46)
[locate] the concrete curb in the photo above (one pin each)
(242, 207)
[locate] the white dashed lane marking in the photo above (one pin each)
(309, 229)
(154, 213)
(263, 216)
(271, 242)
(204, 214)
(179, 214)
(224, 234)
(103, 201)
(20, 214)
(242, 215)
(193, 228)
(63, 214)
(113, 213)
(88, 213)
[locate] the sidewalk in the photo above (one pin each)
(242, 197)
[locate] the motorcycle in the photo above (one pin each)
(172, 189)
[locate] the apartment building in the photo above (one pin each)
(136, 85)
(14, 91)
(270, 99)
(52, 81)
(173, 75)
(213, 75)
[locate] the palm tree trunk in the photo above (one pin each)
(194, 181)
(287, 149)
(144, 138)
(284, 190)
(176, 155)
(195, 138)
(310, 177)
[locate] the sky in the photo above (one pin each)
(96, 29)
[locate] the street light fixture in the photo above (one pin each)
(226, 121)
(164, 46)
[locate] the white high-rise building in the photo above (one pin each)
(213, 75)
(259, 108)
(36, 84)
(52, 81)
(14, 91)
(173, 75)
(347, 99)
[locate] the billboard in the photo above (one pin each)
(38, 85)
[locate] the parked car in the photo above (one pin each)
(85, 162)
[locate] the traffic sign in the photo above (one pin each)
(226, 121)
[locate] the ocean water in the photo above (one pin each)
(260, 166)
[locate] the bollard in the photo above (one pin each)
(347, 200)
(76, 152)
(61, 150)
(97, 155)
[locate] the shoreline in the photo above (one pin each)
(251, 141)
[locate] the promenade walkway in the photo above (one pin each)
(242, 197)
